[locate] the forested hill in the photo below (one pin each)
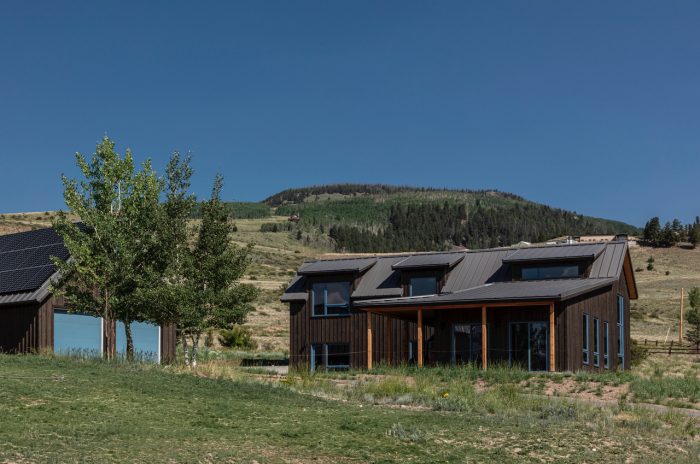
(379, 218)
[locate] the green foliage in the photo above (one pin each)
(693, 316)
(239, 210)
(276, 226)
(116, 240)
(639, 353)
(237, 337)
(379, 218)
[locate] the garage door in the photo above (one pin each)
(146, 341)
(77, 334)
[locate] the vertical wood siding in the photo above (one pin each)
(602, 305)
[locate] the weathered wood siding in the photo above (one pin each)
(27, 328)
(390, 337)
(601, 304)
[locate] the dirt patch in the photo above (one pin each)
(586, 390)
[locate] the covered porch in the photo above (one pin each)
(520, 333)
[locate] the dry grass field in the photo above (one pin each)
(277, 255)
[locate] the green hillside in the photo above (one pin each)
(377, 218)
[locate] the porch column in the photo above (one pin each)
(552, 345)
(484, 338)
(369, 341)
(420, 338)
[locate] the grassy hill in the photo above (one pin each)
(361, 218)
(63, 410)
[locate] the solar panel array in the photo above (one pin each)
(25, 259)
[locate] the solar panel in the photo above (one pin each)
(25, 259)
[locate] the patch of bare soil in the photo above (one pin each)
(585, 390)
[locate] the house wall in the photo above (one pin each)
(603, 305)
(27, 328)
(390, 337)
(498, 321)
(30, 328)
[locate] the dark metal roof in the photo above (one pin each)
(555, 253)
(296, 290)
(476, 268)
(336, 266)
(429, 260)
(25, 260)
(555, 290)
(381, 280)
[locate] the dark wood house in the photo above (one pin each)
(32, 319)
(544, 308)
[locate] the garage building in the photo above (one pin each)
(32, 319)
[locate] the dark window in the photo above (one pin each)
(596, 342)
(316, 357)
(621, 332)
(422, 286)
(331, 299)
(466, 343)
(564, 271)
(338, 356)
(335, 356)
(585, 339)
(606, 344)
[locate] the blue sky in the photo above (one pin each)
(588, 106)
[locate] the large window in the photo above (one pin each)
(331, 299)
(330, 356)
(466, 343)
(563, 271)
(606, 344)
(596, 342)
(584, 334)
(422, 286)
(621, 332)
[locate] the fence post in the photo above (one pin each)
(670, 347)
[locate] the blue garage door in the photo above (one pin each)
(77, 334)
(146, 341)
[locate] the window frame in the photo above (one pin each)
(596, 342)
(325, 313)
(412, 278)
(539, 267)
(585, 335)
(324, 357)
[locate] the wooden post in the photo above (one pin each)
(552, 345)
(484, 337)
(369, 341)
(420, 338)
(680, 331)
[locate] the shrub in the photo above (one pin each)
(650, 267)
(639, 353)
(237, 337)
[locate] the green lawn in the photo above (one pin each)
(61, 410)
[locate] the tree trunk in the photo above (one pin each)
(185, 352)
(129, 341)
(110, 338)
(109, 328)
(195, 348)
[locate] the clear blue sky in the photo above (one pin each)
(588, 106)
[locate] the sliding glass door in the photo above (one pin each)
(528, 345)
